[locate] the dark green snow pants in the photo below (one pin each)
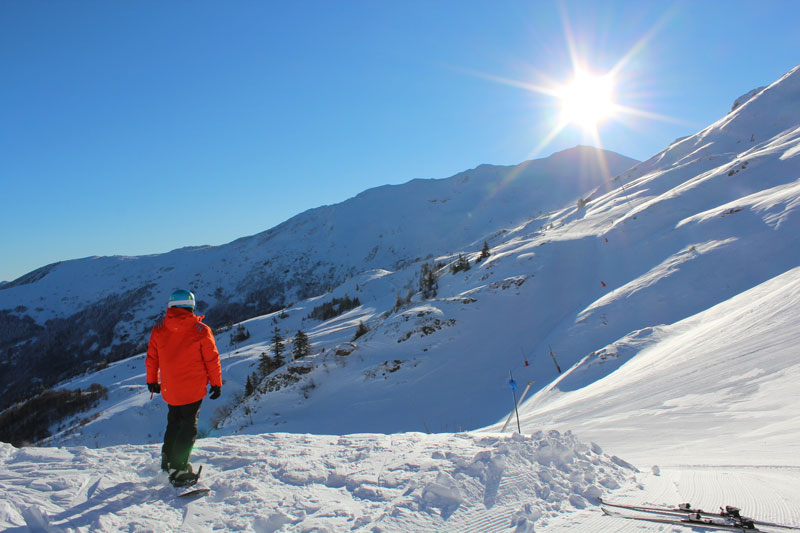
(180, 434)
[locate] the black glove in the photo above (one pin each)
(214, 392)
(154, 387)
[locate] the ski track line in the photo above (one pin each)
(731, 489)
(649, 489)
(595, 524)
(767, 501)
(501, 492)
(788, 512)
(758, 495)
(483, 521)
(498, 516)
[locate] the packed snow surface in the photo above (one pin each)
(404, 482)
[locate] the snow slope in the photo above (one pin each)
(735, 366)
(670, 302)
(102, 308)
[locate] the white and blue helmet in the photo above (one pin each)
(181, 298)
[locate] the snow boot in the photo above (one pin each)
(164, 462)
(182, 477)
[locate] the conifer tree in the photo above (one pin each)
(264, 365)
(300, 346)
(239, 335)
(277, 345)
(362, 330)
(484, 252)
(462, 263)
(428, 284)
(249, 387)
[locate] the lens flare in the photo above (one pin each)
(587, 100)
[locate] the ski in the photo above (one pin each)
(684, 509)
(706, 523)
(681, 509)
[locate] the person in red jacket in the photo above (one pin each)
(183, 351)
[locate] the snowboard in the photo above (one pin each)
(198, 489)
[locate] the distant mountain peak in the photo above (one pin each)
(578, 149)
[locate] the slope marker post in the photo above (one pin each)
(554, 358)
(521, 398)
(513, 385)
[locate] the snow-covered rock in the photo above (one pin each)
(745, 97)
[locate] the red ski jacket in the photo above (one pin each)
(183, 349)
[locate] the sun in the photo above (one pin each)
(591, 97)
(587, 100)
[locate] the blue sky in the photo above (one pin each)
(139, 127)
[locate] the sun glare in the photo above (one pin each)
(587, 100)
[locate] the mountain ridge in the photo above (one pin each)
(305, 256)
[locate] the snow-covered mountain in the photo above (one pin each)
(694, 226)
(655, 316)
(101, 308)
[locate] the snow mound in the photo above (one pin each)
(401, 482)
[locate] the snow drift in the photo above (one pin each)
(409, 482)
